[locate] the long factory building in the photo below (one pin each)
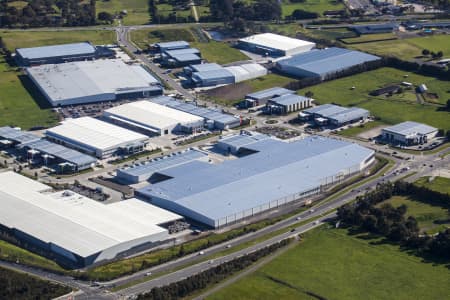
(101, 80)
(77, 230)
(153, 119)
(214, 118)
(97, 138)
(322, 63)
(274, 44)
(273, 173)
(409, 133)
(334, 115)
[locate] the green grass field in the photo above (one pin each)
(17, 106)
(167, 9)
(407, 48)
(137, 10)
(358, 129)
(268, 81)
(334, 265)
(10, 252)
(424, 213)
(370, 37)
(219, 52)
(391, 110)
(18, 39)
(438, 184)
(317, 6)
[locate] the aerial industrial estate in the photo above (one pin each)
(177, 149)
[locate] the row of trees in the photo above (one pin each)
(15, 285)
(433, 54)
(199, 281)
(48, 13)
(391, 222)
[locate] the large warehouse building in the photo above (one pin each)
(217, 119)
(55, 54)
(153, 119)
(149, 170)
(334, 115)
(96, 137)
(409, 133)
(203, 75)
(287, 103)
(274, 45)
(275, 173)
(77, 230)
(93, 81)
(321, 63)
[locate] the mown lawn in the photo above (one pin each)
(331, 264)
(268, 81)
(17, 106)
(407, 48)
(10, 252)
(317, 6)
(20, 39)
(219, 52)
(425, 214)
(137, 10)
(438, 184)
(371, 37)
(390, 110)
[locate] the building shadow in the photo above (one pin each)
(31, 88)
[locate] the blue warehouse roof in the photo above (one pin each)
(17, 136)
(173, 53)
(212, 74)
(278, 170)
(321, 62)
(188, 57)
(61, 152)
(205, 67)
(270, 93)
(56, 50)
(173, 45)
(289, 99)
(159, 164)
(326, 110)
(350, 114)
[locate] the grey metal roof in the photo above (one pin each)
(206, 113)
(56, 50)
(61, 152)
(16, 135)
(325, 110)
(212, 74)
(353, 113)
(289, 99)
(205, 67)
(410, 128)
(270, 93)
(242, 140)
(173, 44)
(166, 162)
(280, 169)
(186, 57)
(173, 53)
(327, 60)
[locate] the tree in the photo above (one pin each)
(447, 106)
(300, 14)
(426, 52)
(105, 16)
(309, 94)
(439, 54)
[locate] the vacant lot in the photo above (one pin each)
(137, 10)
(219, 52)
(390, 110)
(331, 264)
(438, 184)
(431, 218)
(407, 48)
(19, 39)
(317, 6)
(357, 130)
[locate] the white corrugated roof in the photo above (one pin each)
(95, 133)
(152, 114)
(72, 221)
(88, 78)
(276, 41)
